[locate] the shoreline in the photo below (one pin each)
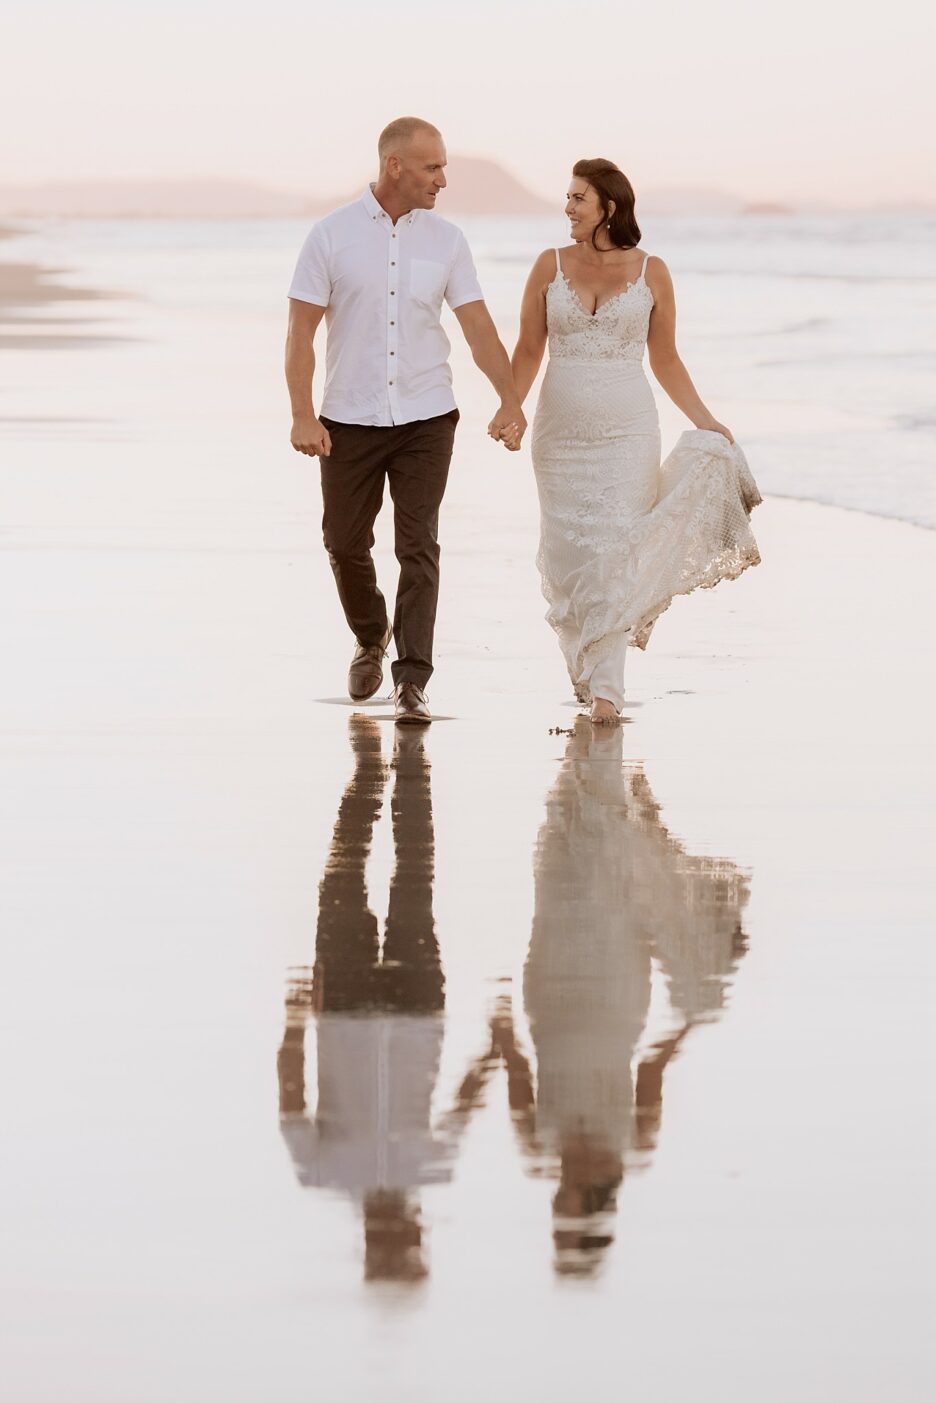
(845, 507)
(28, 292)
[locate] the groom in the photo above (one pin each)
(378, 270)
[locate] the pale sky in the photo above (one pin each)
(821, 100)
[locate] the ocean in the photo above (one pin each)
(812, 337)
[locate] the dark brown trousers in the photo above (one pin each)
(414, 460)
(351, 972)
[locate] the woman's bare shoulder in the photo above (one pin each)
(656, 268)
(546, 259)
(544, 269)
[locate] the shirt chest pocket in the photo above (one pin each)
(427, 281)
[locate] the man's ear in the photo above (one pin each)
(394, 167)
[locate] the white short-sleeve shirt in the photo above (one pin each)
(382, 285)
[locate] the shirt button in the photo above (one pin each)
(392, 263)
(389, 382)
(392, 293)
(393, 323)
(393, 353)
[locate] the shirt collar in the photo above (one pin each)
(375, 209)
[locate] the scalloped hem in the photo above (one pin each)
(638, 635)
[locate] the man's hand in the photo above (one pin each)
(508, 426)
(309, 435)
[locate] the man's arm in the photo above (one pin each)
(492, 360)
(309, 434)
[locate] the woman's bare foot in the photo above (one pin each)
(604, 713)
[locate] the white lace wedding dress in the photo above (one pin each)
(621, 534)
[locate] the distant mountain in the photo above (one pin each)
(687, 199)
(476, 186)
(904, 207)
(767, 207)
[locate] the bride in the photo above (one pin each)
(620, 535)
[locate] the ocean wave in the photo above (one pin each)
(916, 422)
(810, 324)
(812, 275)
(922, 523)
(828, 358)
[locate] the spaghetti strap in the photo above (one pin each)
(643, 271)
(558, 264)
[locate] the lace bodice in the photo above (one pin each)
(617, 331)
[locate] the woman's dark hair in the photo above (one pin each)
(611, 184)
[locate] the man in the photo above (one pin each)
(378, 270)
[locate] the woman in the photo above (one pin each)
(620, 535)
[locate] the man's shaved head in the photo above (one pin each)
(396, 137)
(412, 166)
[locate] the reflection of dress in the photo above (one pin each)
(621, 536)
(613, 890)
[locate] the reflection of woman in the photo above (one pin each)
(379, 1018)
(614, 891)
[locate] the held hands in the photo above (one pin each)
(309, 435)
(508, 427)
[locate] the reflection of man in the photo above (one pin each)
(378, 1016)
(378, 270)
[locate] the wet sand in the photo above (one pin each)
(48, 313)
(507, 1060)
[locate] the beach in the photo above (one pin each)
(177, 754)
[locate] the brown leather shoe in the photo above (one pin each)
(409, 703)
(366, 671)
